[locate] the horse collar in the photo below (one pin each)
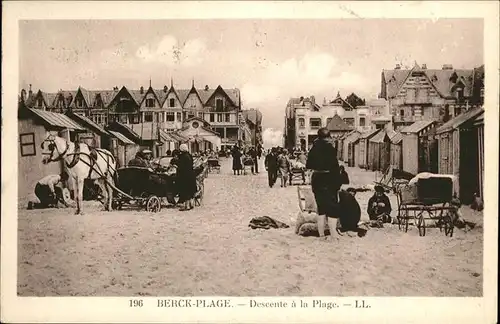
(76, 156)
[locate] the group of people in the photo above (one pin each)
(339, 208)
(185, 177)
(279, 164)
(249, 156)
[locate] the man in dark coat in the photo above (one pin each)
(271, 163)
(237, 165)
(254, 156)
(186, 178)
(379, 206)
(325, 180)
(138, 160)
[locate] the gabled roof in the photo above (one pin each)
(87, 123)
(439, 79)
(56, 119)
(122, 138)
(149, 90)
(232, 94)
(416, 126)
(397, 138)
(338, 124)
(339, 98)
(369, 134)
(203, 121)
(125, 130)
(459, 120)
(161, 95)
(380, 137)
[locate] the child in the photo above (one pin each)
(379, 206)
(283, 167)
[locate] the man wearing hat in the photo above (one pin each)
(325, 180)
(379, 206)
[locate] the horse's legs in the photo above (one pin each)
(79, 196)
(104, 192)
(109, 192)
(76, 192)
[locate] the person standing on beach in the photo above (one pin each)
(325, 179)
(271, 163)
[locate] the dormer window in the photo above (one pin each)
(150, 102)
(39, 102)
(460, 93)
(79, 103)
(171, 103)
(219, 104)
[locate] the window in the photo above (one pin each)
(104, 120)
(150, 102)
(460, 93)
(362, 121)
(402, 112)
(170, 116)
(179, 116)
(458, 111)
(171, 102)
(212, 118)
(79, 103)
(148, 116)
(302, 122)
(219, 104)
(157, 117)
(39, 102)
(27, 142)
(98, 119)
(349, 121)
(200, 115)
(219, 118)
(315, 123)
(228, 118)
(123, 119)
(133, 118)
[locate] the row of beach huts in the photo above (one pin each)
(455, 147)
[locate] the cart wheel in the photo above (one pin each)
(153, 205)
(448, 226)
(421, 224)
(116, 205)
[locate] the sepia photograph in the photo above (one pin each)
(257, 157)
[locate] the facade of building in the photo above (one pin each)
(303, 118)
(147, 110)
(430, 94)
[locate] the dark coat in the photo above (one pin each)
(186, 178)
(237, 159)
(271, 162)
(376, 211)
(350, 211)
(323, 157)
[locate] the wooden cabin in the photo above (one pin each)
(354, 158)
(397, 151)
(461, 152)
(417, 147)
(125, 143)
(380, 151)
(348, 147)
(364, 149)
(34, 125)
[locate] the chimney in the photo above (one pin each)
(30, 92)
(142, 90)
(424, 66)
(206, 87)
(398, 67)
(165, 88)
(447, 67)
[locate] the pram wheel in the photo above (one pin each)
(153, 205)
(448, 226)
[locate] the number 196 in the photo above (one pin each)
(135, 303)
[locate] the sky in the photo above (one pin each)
(270, 61)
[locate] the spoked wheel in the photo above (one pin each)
(153, 204)
(117, 204)
(420, 224)
(448, 225)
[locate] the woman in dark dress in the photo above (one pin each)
(237, 166)
(186, 178)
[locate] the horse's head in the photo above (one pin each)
(54, 148)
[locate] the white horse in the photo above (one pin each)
(83, 162)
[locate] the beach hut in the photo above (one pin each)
(397, 151)
(348, 147)
(461, 152)
(354, 158)
(415, 144)
(379, 153)
(33, 128)
(340, 147)
(364, 148)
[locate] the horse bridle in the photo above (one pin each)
(53, 147)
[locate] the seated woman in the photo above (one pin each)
(379, 206)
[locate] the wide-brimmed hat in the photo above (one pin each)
(183, 147)
(379, 189)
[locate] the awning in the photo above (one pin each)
(122, 138)
(57, 120)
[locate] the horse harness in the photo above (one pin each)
(94, 152)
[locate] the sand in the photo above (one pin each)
(212, 251)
